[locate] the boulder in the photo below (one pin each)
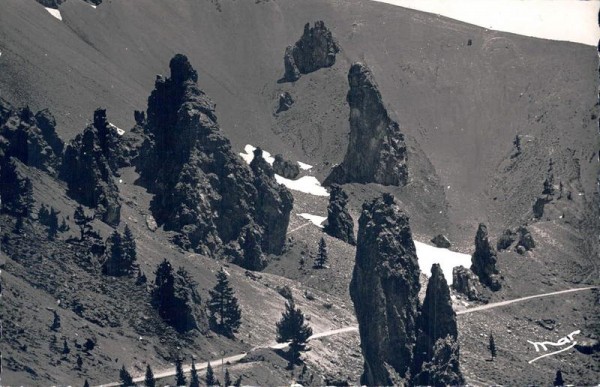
(285, 168)
(525, 239)
(506, 240)
(384, 289)
(339, 223)
(441, 241)
(376, 152)
(285, 102)
(465, 282)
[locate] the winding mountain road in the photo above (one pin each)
(164, 373)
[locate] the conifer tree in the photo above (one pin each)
(125, 378)
(82, 221)
(43, 214)
(558, 380)
(179, 375)
(492, 346)
(79, 362)
(149, 379)
(194, 377)
(55, 322)
(26, 201)
(321, 259)
(129, 249)
(52, 224)
(227, 379)
(224, 312)
(210, 376)
(86, 383)
(238, 381)
(292, 328)
(115, 264)
(66, 349)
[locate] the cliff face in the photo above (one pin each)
(384, 290)
(88, 166)
(339, 222)
(484, 260)
(316, 49)
(202, 189)
(376, 152)
(30, 138)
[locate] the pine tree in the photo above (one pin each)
(64, 227)
(115, 264)
(26, 201)
(129, 250)
(292, 328)
(55, 322)
(179, 375)
(82, 221)
(225, 314)
(86, 383)
(492, 346)
(52, 224)
(194, 378)
(210, 376)
(517, 144)
(164, 289)
(321, 259)
(227, 380)
(66, 349)
(43, 215)
(125, 378)
(79, 362)
(149, 379)
(558, 380)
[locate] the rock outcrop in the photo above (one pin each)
(547, 195)
(522, 236)
(465, 282)
(384, 290)
(316, 49)
(443, 369)
(376, 152)
(525, 239)
(441, 241)
(30, 138)
(285, 102)
(88, 167)
(484, 260)
(506, 240)
(339, 223)
(285, 168)
(202, 189)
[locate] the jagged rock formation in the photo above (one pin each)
(441, 241)
(506, 240)
(484, 260)
(443, 369)
(88, 166)
(202, 189)
(285, 102)
(316, 49)
(285, 168)
(464, 281)
(30, 138)
(339, 223)
(376, 152)
(384, 290)
(525, 239)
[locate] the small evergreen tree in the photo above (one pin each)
(115, 264)
(492, 346)
(129, 250)
(321, 259)
(125, 378)
(227, 380)
(43, 215)
(194, 378)
(179, 375)
(79, 362)
(82, 221)
(517, 144)
(86, 383)
(149, 379)
(66, 349)
(52, 224)
(210, 376)
(558, 380)
(224, 312)
(55, 322)
(238, 381)
(292, 328)
(64, 227)
(26, 201)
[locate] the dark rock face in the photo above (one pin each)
(339, 223)
(441, 241)
(285, 168)
(88, 166)
(506, 240)
(202, 189)
(443, 369)
(376, 152)
(484, 260)
(384, 290)
(525, 239)
(30, 138)
(465, 282)
(316, 49)
(285, 102)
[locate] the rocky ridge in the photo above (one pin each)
(377, 152)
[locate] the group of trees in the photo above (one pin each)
(121, 254)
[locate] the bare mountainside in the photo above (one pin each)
(493, 132)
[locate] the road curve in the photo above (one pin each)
(235, 358)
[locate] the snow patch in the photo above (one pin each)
(249, 155)
(54, 12)
(303, 166)
(120, 131)
(428, 255)
(314, 219)
(306, 184)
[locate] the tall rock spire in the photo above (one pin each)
(484, 259)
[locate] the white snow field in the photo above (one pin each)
(565, 20)
(54, 12)
(306, 184)
(428, 255)
(314, 219)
